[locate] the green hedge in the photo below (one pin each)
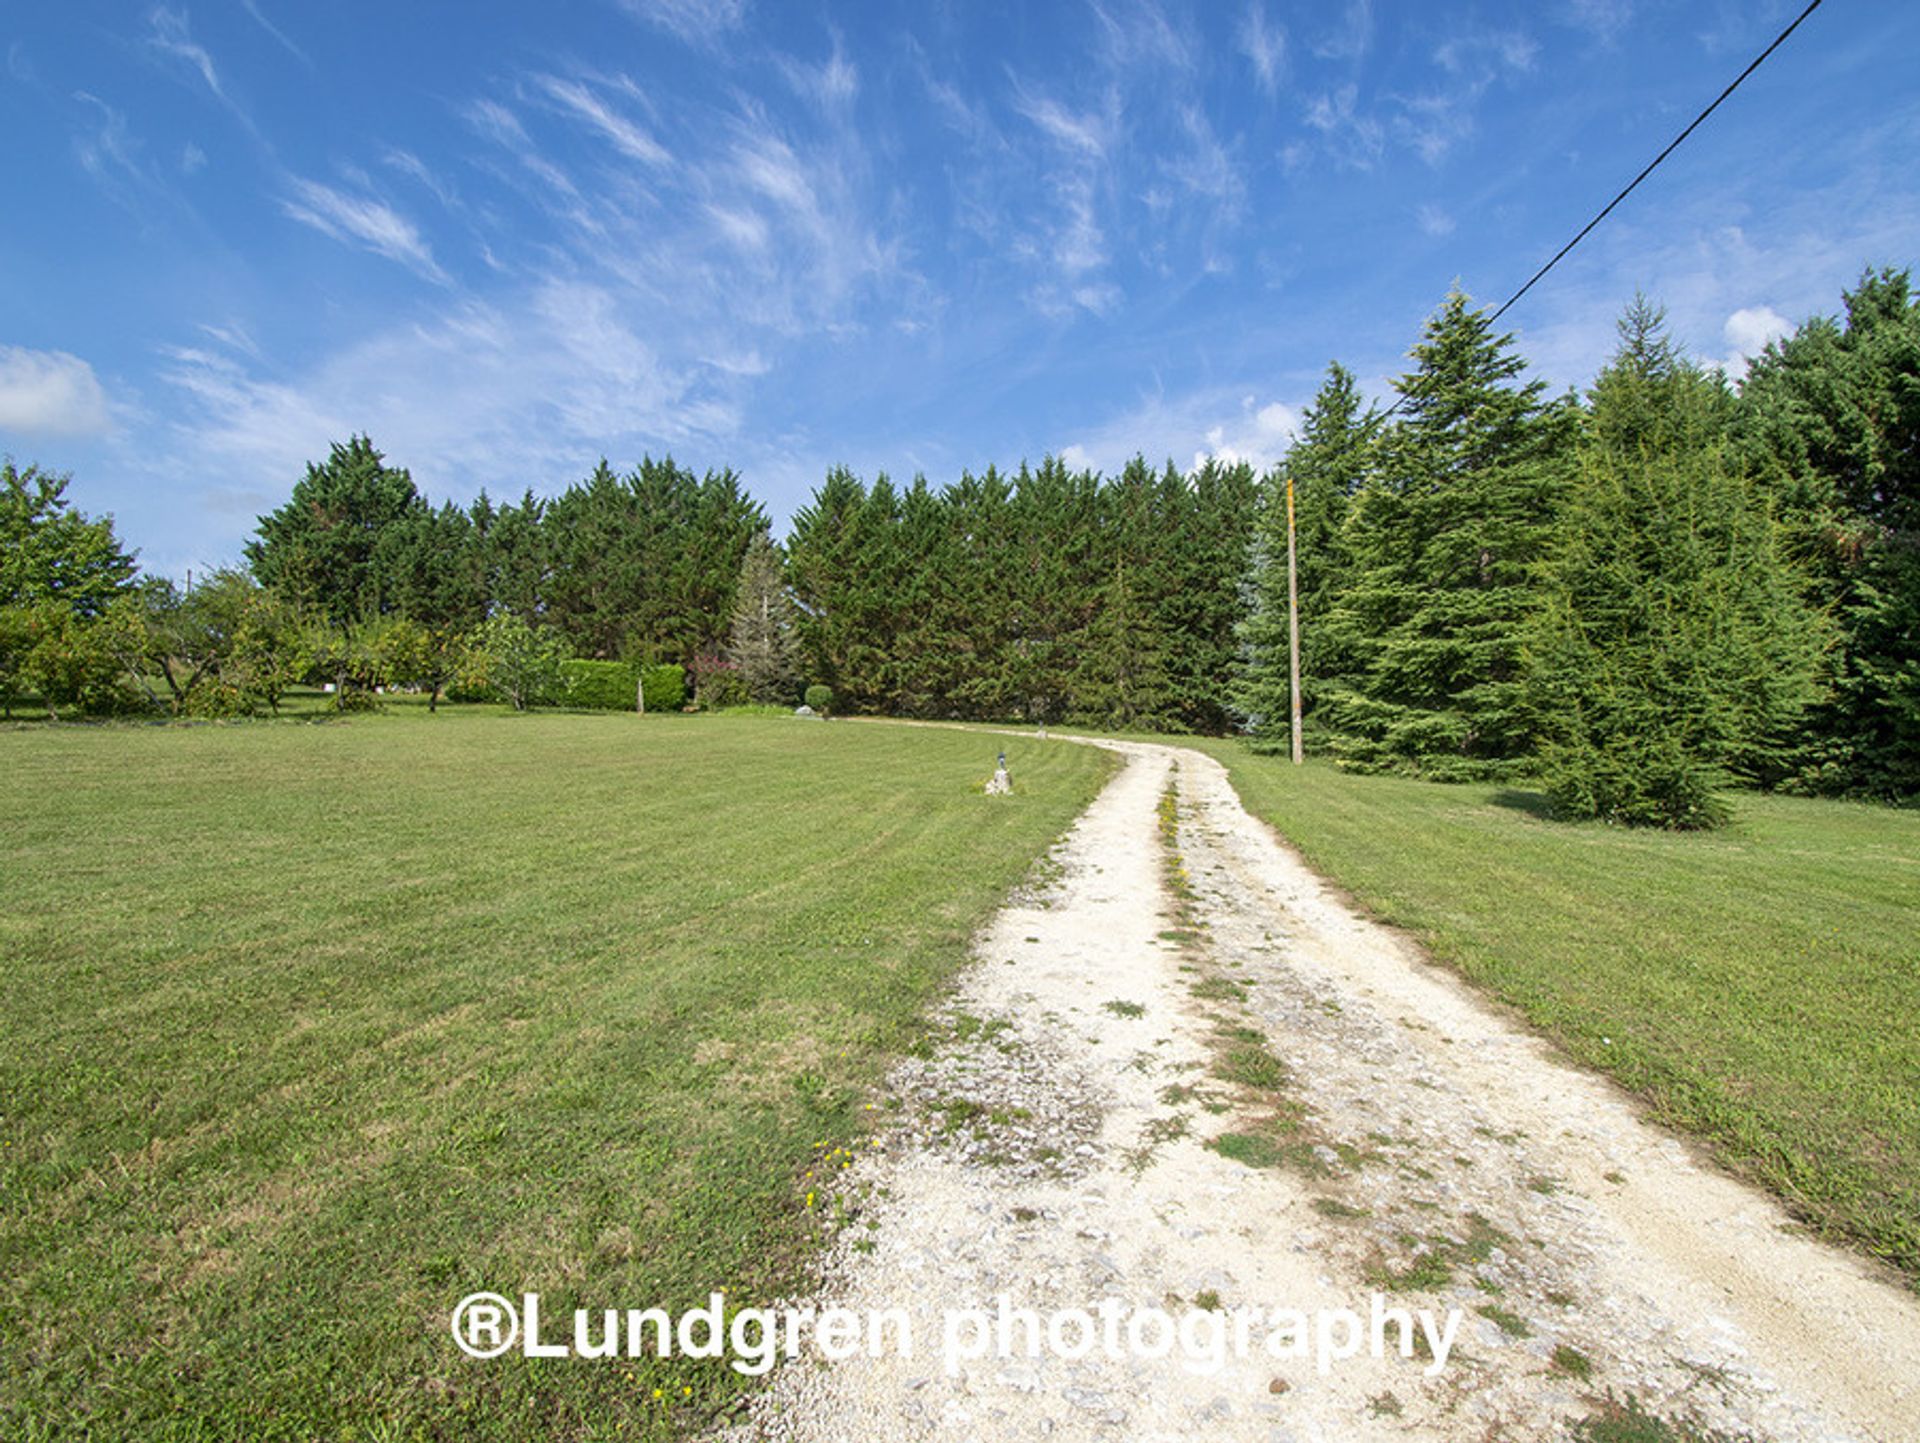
(666, 686)
(608, 685)
(605, 685)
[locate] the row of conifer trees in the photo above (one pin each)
(1641, 594)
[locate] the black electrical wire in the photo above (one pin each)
(1672, 146)
(1651, 166)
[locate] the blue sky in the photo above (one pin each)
(508, 239)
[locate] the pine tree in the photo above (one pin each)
(1829, 424)
(763, 647)
(1674, 653)
(824, 565)
(1121, 682)
(1443, 539)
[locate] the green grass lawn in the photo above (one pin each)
(1759, 985)
(309, 1031)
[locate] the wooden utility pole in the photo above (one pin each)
(1293, 626)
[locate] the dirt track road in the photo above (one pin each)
(1054, 1149)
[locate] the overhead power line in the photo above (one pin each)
(1653, 164)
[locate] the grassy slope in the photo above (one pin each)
(1760, 985)
(310, 1031)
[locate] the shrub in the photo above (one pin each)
(723, 688)
(217, 700)
(600, 685)
(1639, 779)
(517, 663)
(665, 686)
(820, 698)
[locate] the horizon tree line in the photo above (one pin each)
(1639, 595)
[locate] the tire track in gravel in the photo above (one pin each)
(1061, 1146)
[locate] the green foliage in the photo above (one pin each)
(517, 663)
(722, 687)
(1619, 764)
(1829, 424)
(1122, 683)
(820, 698)
(323, 548)
(642, 565)
(665, 685)
(600, 685)
(419, 654)
(764, 648)
(51, 552)
(16, 641)
(351, 659)
(75, 661)
(983, 599)
(1422, 645)
(227, 633)
(1673, 652)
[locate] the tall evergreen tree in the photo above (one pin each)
(1829, 424)
(763, 647)
(824, 565)
(1674, 652)
(1443, 539)
(1121, 682)
(319, 548)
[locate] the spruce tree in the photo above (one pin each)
(1121, 682)
(1674, 653)
(1829, 424)
(825, 567)
(763, 647)
(1443, 541)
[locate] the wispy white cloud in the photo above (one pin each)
(496, 122)
(1204, 167)
(1351, 136)
(115, 159)
(1434, 221)
(50, 393)
(170, 36)
(623, 134)
(364, 221)
(834, 81)
(529, 391)
(1349, 39)
(1265, 47)
(700, 22)
(740, 228)
(1603, 19)
(1137, 33)
(252, 8)
(193, 159)
(1088, 133)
